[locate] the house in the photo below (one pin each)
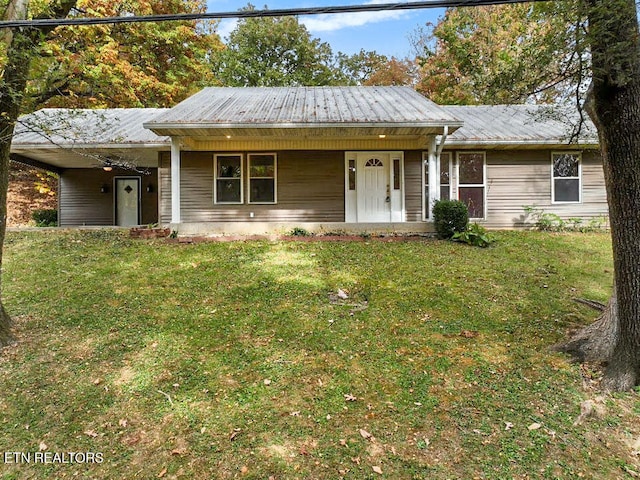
(239, 160)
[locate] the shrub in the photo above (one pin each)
(45, 217)
(299, 232)
(475, 235)
(449, 217)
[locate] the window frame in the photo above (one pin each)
(274, 178)
(216, 178)
(577, 154)
(461, 185)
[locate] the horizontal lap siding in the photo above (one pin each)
(519, 178)
(310, 188)
(413, 185)
(82, 203)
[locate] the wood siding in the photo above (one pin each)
(81, 202)
(310, 188)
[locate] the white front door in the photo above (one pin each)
(373, 188)
(127, 201)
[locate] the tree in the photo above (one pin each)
(272, 52)
(371, 68)
(124, 65)
(20, 46)
(613, 103)
(501, 54)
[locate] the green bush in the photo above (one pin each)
(45, 217)
(449, 217)
(475, 235)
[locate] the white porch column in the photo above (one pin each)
(175, 180)
(434, 176)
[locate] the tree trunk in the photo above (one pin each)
(12, 88)
(21, 46)
(614, 107)
(596, 342)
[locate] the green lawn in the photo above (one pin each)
(238, 360)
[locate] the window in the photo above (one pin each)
(352, 174)
(262, 178)
(396, 174)
(471, 182)
(445, 176)
(228, 178)
(565, 183)
(374, 162)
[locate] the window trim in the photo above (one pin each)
(275, 177)
(216, 178)
(578, 154)
(468, 185)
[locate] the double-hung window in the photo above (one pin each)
(228, 175)
(472, 182)
(262, 178)
(566, 184)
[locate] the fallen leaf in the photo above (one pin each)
(267, 381)
(508, 425)
(244, 470)
(364, 434)
(377, 469)
(342, 294)
(90, 433)
(162, 473)
(356, 460)
(343, 442)
(97, 381)
(534, 426)
(303, 450)
(43, 446)
(203, 429)
(122, 422)
(234, 434)
(179, 451)
(295, 414)
(349, 398)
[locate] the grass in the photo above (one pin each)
(237, 360)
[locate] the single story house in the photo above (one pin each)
(240, 160)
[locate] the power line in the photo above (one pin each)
(283, 12)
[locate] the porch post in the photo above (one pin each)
(434, 177)
(175, 179)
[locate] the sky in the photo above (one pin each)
(385, 32)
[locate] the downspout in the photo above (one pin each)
(440, 146)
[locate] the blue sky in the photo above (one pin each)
(385, 32)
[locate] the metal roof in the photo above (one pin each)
(79, 127)
(75, 138)
(256, 111)
(518, 125)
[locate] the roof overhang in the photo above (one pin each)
(453, 143)
(283, 130)
(90, 156)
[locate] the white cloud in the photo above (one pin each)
(226, 26)
(338, 21)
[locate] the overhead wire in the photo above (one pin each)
(282, 12)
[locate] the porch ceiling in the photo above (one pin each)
(90, 157)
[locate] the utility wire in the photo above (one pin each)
(283, 12)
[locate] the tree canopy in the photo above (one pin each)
(125, 65)
(501, 54)
(271, 52)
